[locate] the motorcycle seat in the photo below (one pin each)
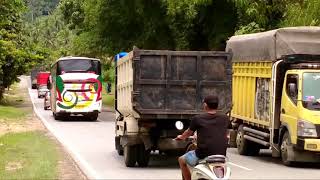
(214, 159)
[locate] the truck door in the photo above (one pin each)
(289, 110)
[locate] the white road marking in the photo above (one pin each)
(84, 165)
(239, 166)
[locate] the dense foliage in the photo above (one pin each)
(102, 28)
(15, 56)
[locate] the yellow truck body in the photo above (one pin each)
(246, 76)
(275, 92)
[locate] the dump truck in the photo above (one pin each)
(276, 93)
(42, 80)
(158, 91)
(33, 77)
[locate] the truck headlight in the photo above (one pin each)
(306, 129)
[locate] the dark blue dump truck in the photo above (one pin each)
(158, 91)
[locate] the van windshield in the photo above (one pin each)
(310, 91)
(79, 66)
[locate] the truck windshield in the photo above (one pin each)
(79, 66)
(310, 91)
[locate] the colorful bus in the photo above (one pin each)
(76, 87)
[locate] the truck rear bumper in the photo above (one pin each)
(170, 144)
(163, 144)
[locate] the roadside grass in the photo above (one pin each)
(108, 99)
(11, 113)
(26, 151)
(12, 97)
(9, 106)
(28, 155)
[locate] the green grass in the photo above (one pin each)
(10, 106)
(12, 97)
(29, 155)
(108, 99)
(11, 113)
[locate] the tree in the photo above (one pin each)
(102, 28)
(302, 13)
(14, 57)
(38, 8)
(201, 24)
(260, 15)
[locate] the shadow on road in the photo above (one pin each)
(265, 156)
(163, 161)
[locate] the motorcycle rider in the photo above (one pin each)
(211, 128)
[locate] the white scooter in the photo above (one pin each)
(212, 167)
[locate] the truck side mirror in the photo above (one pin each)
(293, 89)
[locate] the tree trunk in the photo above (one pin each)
(2, 89)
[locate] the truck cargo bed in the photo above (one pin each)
(171, 84)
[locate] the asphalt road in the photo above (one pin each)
(91, 144)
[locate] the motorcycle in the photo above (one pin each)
(211, 167)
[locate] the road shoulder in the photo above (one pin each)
(20, 128)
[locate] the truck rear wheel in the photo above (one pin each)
(118, 146)
(246, 147)
(130, 155)
(284, 149)
(143, 156)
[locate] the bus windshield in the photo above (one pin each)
(311, 93)
(79, 66)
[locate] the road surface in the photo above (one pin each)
(91, 144)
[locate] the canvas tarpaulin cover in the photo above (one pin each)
(271, 45)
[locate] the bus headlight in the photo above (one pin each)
(306, 129)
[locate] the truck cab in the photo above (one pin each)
(300, 105)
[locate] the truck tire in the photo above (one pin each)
(118, 146)
(143, 156)
(130, 155)
(284, 149)
(246, 147)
